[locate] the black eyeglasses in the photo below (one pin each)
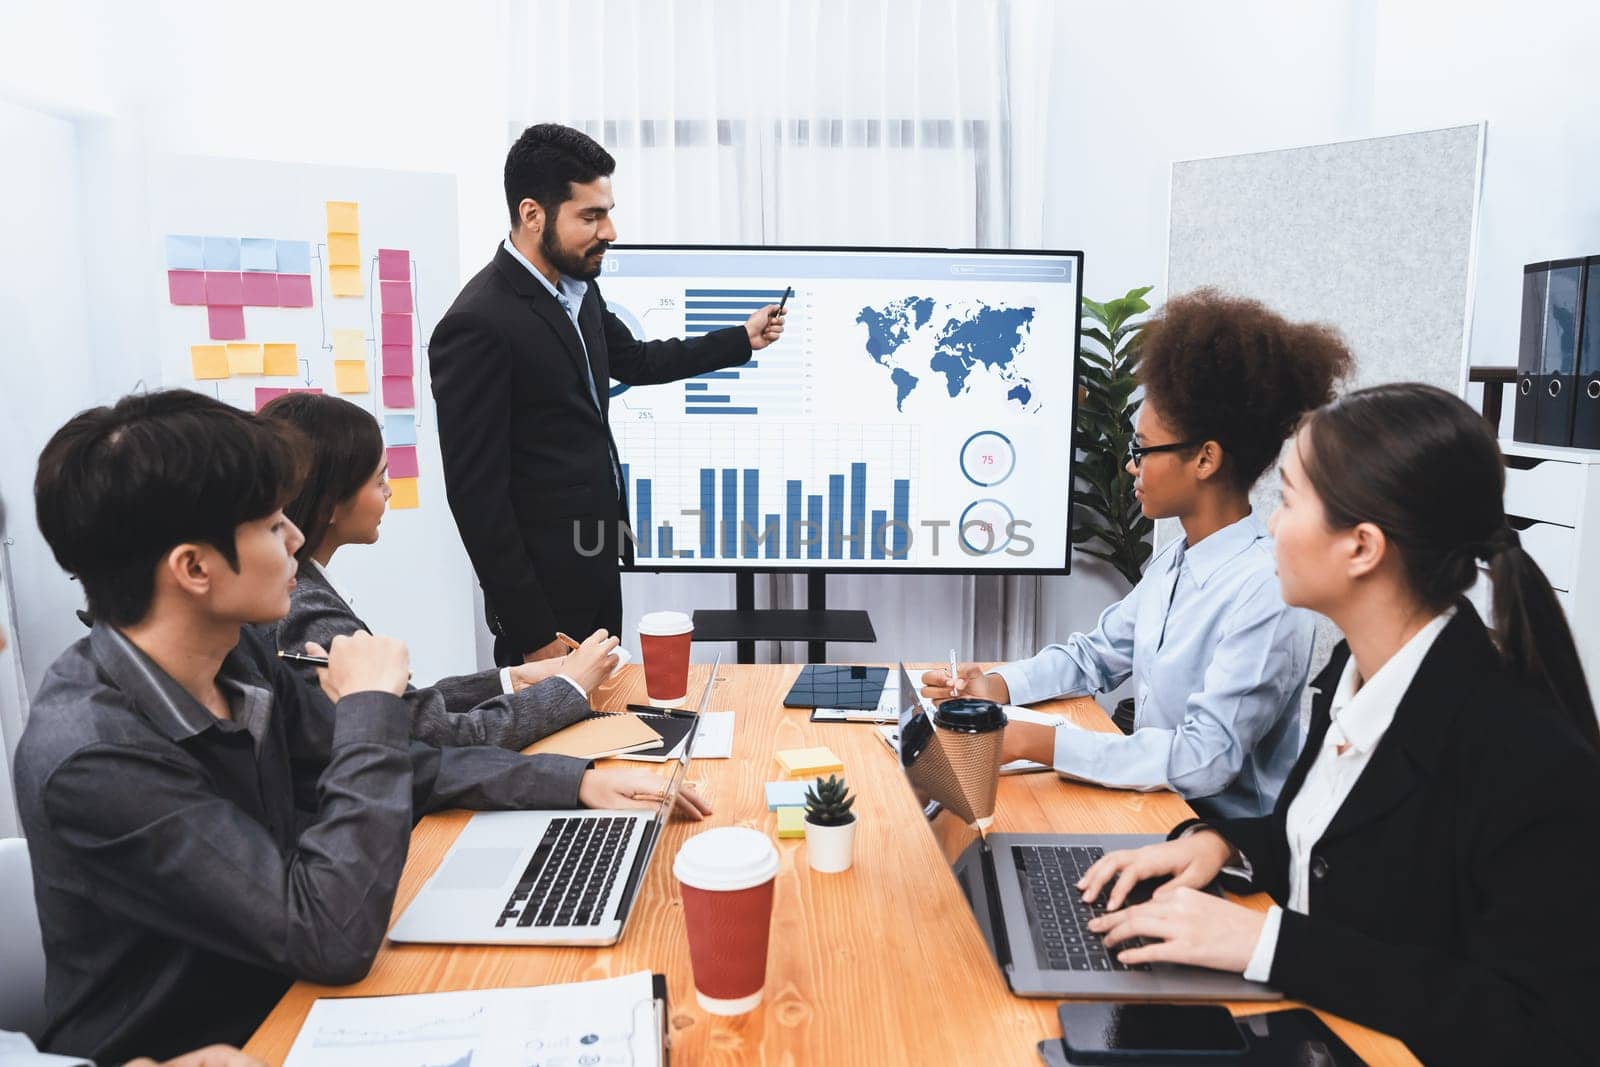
(1138, 452)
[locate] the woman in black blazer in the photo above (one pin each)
(1433, 854)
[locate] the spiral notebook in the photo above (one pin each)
(599, 735)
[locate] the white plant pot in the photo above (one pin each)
(830, 849)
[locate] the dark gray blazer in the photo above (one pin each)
(467, 709)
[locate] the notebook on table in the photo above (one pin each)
(598, 735)
(673, 724)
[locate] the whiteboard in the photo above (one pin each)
(416, 583)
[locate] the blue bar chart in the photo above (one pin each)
(777, 381)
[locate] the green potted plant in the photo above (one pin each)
(830, 826)
(1107, 521)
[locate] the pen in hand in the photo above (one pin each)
(315, 661)
(953, 672)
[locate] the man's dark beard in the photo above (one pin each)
(573, 266)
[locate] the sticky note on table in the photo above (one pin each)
(294, 257)
(396, 296)
(397, 359)
(280, 360)
(227, 323)
(224, 287)
(221, 253)
(344, 250)
(350, 376)
(209, 361)
(403, 462)
(349, 344)
(345, 281)
(808, 762)
(396, 329)
(398, 391)
(403, 493)
(394, 265)
(186, 287)
(259, 254)
(791, 822)
(260, 290)
(246, 359)
(788, 794)
(294, 290)
(185, 252)
(399, 430)
(343, 216)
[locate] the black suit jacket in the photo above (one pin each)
(528, 457)
(1452, 898)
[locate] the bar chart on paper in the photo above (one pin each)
(756, 491)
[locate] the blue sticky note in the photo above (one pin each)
(258, 253)
(185, 252)
(399, 430)
(788, 794)
(294, 257)
(222, 253)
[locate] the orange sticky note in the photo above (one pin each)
(345, 281)
(343, 216)
(209, 361)
(350, 376)
(281, 360)
(245, 359)
(344, 250)
(403, 493)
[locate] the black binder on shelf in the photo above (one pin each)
(1586, 404)
(1530, 352)
(1558, 369)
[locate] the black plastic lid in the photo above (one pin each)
(969, 715)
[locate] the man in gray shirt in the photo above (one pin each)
(204, 827)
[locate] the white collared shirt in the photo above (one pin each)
(1361, 714)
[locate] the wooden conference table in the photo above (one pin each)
(880, 964)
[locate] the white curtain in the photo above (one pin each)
(821, 122)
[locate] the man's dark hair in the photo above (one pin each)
(544, 163)
(343, 447)
(118, 487)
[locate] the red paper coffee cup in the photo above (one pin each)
(664, 639)
(726, 876)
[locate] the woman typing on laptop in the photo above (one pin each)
(1431, 856)
(1218, 660)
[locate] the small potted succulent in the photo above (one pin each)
(830, 826)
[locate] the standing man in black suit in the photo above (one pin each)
(521, 367)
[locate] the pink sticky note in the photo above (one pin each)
(397, 297)
(294, 290)
(403, 462)
(397, 391)
(227, 323)
(266, 395)
(260, 290)
(396, 329)
(394, 265)
(397, 359)
(316, 390)
(224, 287)
(186, 286)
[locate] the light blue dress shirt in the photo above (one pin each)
(1218, 662)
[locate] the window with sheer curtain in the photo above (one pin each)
(808, 122)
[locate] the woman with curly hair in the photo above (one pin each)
(1218, 661)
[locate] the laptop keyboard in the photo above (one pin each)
(1058, 917)
(569, 878)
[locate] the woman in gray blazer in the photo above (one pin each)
(341, 501)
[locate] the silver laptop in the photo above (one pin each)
(1020, 889)
(545, 877)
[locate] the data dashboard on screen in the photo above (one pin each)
(915, 416)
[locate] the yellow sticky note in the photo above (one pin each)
(350, 376)
(342, 216)
(344, 250)
(791, 822)
(209, 361)
(808, 762)
(280, 360)
(349, 344)
(245, 359)
(403, 493)
(345, 281)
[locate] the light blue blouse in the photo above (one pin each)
(1219, 663)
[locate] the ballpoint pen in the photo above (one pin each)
(952, 672)
(315, 661)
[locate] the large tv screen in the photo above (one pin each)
(916, 416)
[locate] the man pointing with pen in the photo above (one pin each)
(521, 367)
